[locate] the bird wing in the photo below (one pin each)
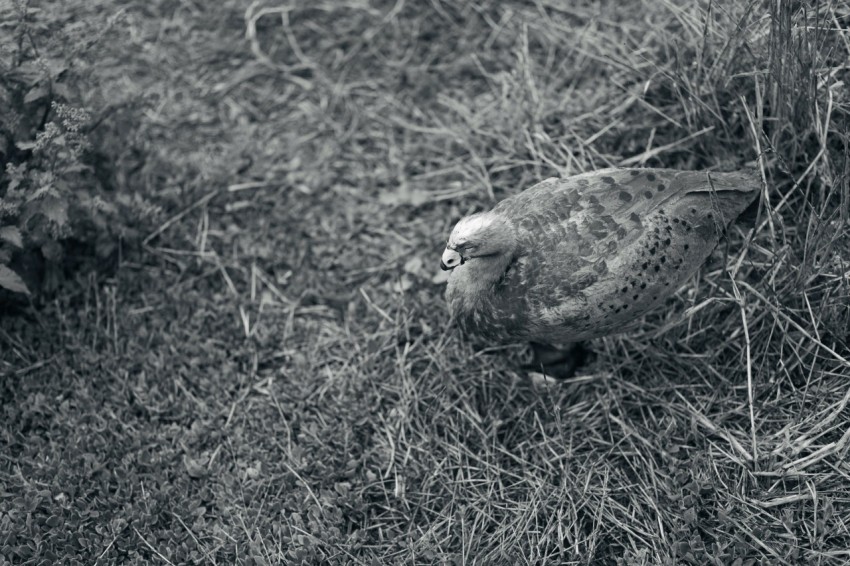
(572, 232)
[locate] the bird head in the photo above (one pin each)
(479, 235)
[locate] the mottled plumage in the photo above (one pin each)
(577, 258)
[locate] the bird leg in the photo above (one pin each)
(556, 363)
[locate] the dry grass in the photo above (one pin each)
(275, 380)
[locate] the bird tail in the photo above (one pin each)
(730, 194)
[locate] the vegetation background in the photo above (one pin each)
(223, 338)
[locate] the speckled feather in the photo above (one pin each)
(598, 250)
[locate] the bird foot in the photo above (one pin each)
(551, 365)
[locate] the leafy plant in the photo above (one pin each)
(49, 191)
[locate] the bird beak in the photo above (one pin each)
(450, 259)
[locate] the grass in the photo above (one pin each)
(272, 377)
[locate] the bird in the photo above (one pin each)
(576, 258)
